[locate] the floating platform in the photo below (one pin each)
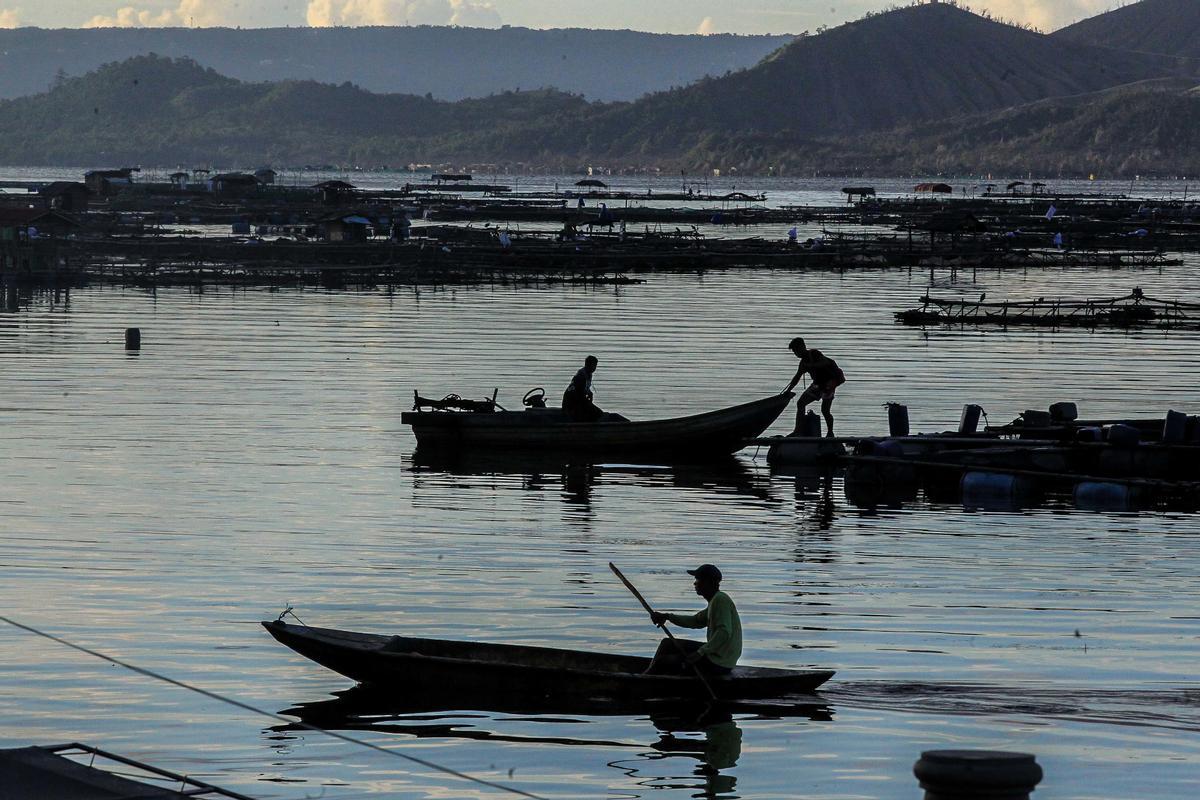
(1128, 311)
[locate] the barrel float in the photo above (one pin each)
(977, 774)
(1101, 496)
(798, 452)
(988, 489)
(1121, 435)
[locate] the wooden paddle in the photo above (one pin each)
(683, 654)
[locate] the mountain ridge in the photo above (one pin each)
(470, 62)
(1168, 27)
(922, 62)
(960, 107)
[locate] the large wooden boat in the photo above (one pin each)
(412, 664)
(708, 435)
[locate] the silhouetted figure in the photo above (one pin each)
(826, 377)
(401, 228)
(722, 648)
(577, 399)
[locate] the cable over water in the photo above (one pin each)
(279, 717)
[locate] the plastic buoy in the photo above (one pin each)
(133, 338)
(977, 774)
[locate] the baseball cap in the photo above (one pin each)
(706, 571)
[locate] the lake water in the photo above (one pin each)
(157, 505)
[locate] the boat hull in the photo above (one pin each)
(395, 663)
(713, 434)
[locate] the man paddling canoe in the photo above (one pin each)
(720, 652)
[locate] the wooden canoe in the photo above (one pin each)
(411, 664)
(711, 434)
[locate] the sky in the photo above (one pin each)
(663, 16)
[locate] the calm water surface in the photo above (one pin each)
(157, 505)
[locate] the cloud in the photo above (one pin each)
(1048, 15)
(199, 13)
(10, 17)
(473, 13)
(706, 26)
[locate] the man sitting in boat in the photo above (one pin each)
(723, 647)
(577, 399)
(826, 377)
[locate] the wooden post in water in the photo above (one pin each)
(977, 775)
(133, 338)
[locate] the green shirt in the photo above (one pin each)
(724, 645)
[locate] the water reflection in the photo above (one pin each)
(706, 736)
(813, 496)
(367, 707)
(716, 752)
(578, 482)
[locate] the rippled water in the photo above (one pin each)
(156, 505)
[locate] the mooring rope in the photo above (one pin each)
(278, 717)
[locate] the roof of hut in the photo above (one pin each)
(234, 177)
(61, 187)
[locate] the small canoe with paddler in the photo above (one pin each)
(414, 664)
